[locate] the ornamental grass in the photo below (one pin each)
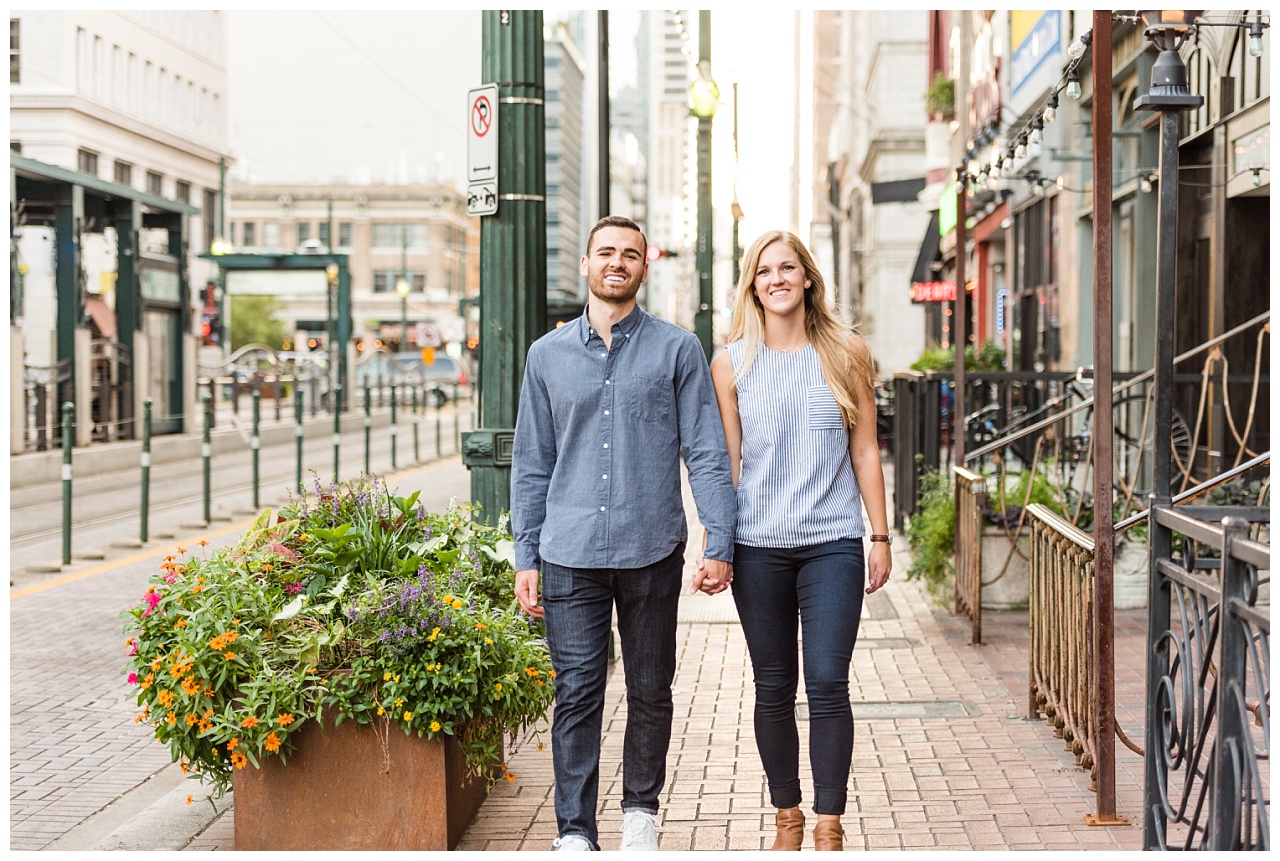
(352, 604)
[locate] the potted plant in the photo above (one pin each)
(941, 98)
(351, 611)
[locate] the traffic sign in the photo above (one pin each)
(428, 335)
(482, 150)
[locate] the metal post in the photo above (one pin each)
(416, 421)
(393, 425)
(1233, 664)
(146, 470)
(255, 442)
(297, 433)
(337, 428)
(368, 424)
(439, 407)
(1104, 676)
(513, 246)
(602, 107)
(68, 413)
(206, 449)
(960, 319)
(703, 318)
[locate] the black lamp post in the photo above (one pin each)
(706, 96)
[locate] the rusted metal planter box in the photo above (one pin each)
(354, 787)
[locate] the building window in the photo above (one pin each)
(155, 184)
(124, 173)
(344, 234)
(271, 234)
(386, 236)
(15, 146)
(324, 233)
(304, 231)
(182, 191)
(87, 162)
(15, 69)
(384, 280)
(210, 213)
(250, 230)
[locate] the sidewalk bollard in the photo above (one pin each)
(337, 427)
(416, 457)
(393, 426)
(146, 468)
(206, 449)
(367, 425)
(68, 411)
(297, 432)
(255, 442)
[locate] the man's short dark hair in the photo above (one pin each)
(616, 221)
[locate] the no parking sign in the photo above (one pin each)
(482, 150)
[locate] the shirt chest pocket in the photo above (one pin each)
(822, 409)
(648, 398)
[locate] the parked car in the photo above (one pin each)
(446, 376)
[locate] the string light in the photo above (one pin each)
(1073, 83)
(1051, 109)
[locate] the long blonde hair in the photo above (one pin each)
(843, 355)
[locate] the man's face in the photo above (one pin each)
(615, 264)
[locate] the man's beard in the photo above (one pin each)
(614, 293)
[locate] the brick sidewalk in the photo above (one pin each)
(944, 756)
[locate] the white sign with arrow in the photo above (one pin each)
(482, 150)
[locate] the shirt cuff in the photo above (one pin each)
(719, 547)
(527, 559)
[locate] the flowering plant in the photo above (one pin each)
(354, 600)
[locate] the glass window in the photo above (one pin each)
(87, 162)
(182, 190)
(155, 183)
(270, 234)
(210, 213)
(123, 173)
(250, 230)
(323, 230)
(304, 231)
(344, 234)
(386, 235)
(384, 280)
(15, 69)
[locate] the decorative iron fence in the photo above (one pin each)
(1208, 774)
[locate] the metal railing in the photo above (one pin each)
(1059, 681)
(1208, 681)
(971, 497)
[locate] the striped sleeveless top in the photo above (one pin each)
(797, 487)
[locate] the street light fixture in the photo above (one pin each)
(402, 290)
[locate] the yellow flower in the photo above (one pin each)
(399, 702)
(386, 677)
(498, 686)
(435, 726)
(408, 716)
(435, 632)
(488, 641)
(381, 711)
(457, 605)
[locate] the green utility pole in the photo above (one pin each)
(702, 319)
(513, 249)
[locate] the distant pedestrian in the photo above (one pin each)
(795, 390)
(610, 403)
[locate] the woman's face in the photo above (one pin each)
(780, 280)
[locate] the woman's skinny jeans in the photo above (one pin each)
(818, 589)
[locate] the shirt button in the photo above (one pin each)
(602, 508)
(606, 445)
(606, 412)
(605, 476)
(608, 382)
(602, 355)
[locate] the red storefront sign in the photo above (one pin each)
(933, 291)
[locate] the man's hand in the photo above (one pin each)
(527, 592)
(713, 576)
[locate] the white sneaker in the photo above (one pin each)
(572, 843)
(639, 831)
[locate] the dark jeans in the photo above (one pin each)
(579, 606)
(821, 588)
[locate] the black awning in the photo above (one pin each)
(925, 269)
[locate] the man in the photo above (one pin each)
(609, 404)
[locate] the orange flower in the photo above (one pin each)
(204, 543)
(191, 720)
(230, 656)
(157, 664)
(171, 718)
(272, 743)
(511, 778)
(165, 698)
(181, 623)
(204, 725)
(208, 713)
(190, 686)
(182, 550)
(231, 745)
(239, 760)
(249, 723)
(188, 800)
(531, 672)
(285, 719)
(185, 768)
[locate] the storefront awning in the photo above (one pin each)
(925, 286)
(101, 314)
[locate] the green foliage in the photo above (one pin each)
(353, 600)
(253, 322)
(941, 97)
(931, 534)
(988, 357)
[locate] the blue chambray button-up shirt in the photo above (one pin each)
(595, 469)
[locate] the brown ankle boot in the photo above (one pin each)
(828, 836)
(790, 830)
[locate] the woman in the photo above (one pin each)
(795, 390)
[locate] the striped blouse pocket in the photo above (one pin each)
(823, 409)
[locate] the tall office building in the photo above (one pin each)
(565, 81)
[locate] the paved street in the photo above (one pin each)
(944, 756)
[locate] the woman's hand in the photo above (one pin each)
(879, 564)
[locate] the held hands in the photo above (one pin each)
(527, 592)
(879, 564)
(713, 576)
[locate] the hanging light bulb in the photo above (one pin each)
(1145, 183)
(1255, 40)
(1073, 83)
(1036, 137)
(1257, 177)
(1006, 166)
(1080, 45)
(1020, 151)
(1051, 110)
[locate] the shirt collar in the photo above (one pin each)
(627, 325)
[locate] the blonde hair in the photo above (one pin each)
(843, 355)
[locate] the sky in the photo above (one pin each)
(329, 95)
